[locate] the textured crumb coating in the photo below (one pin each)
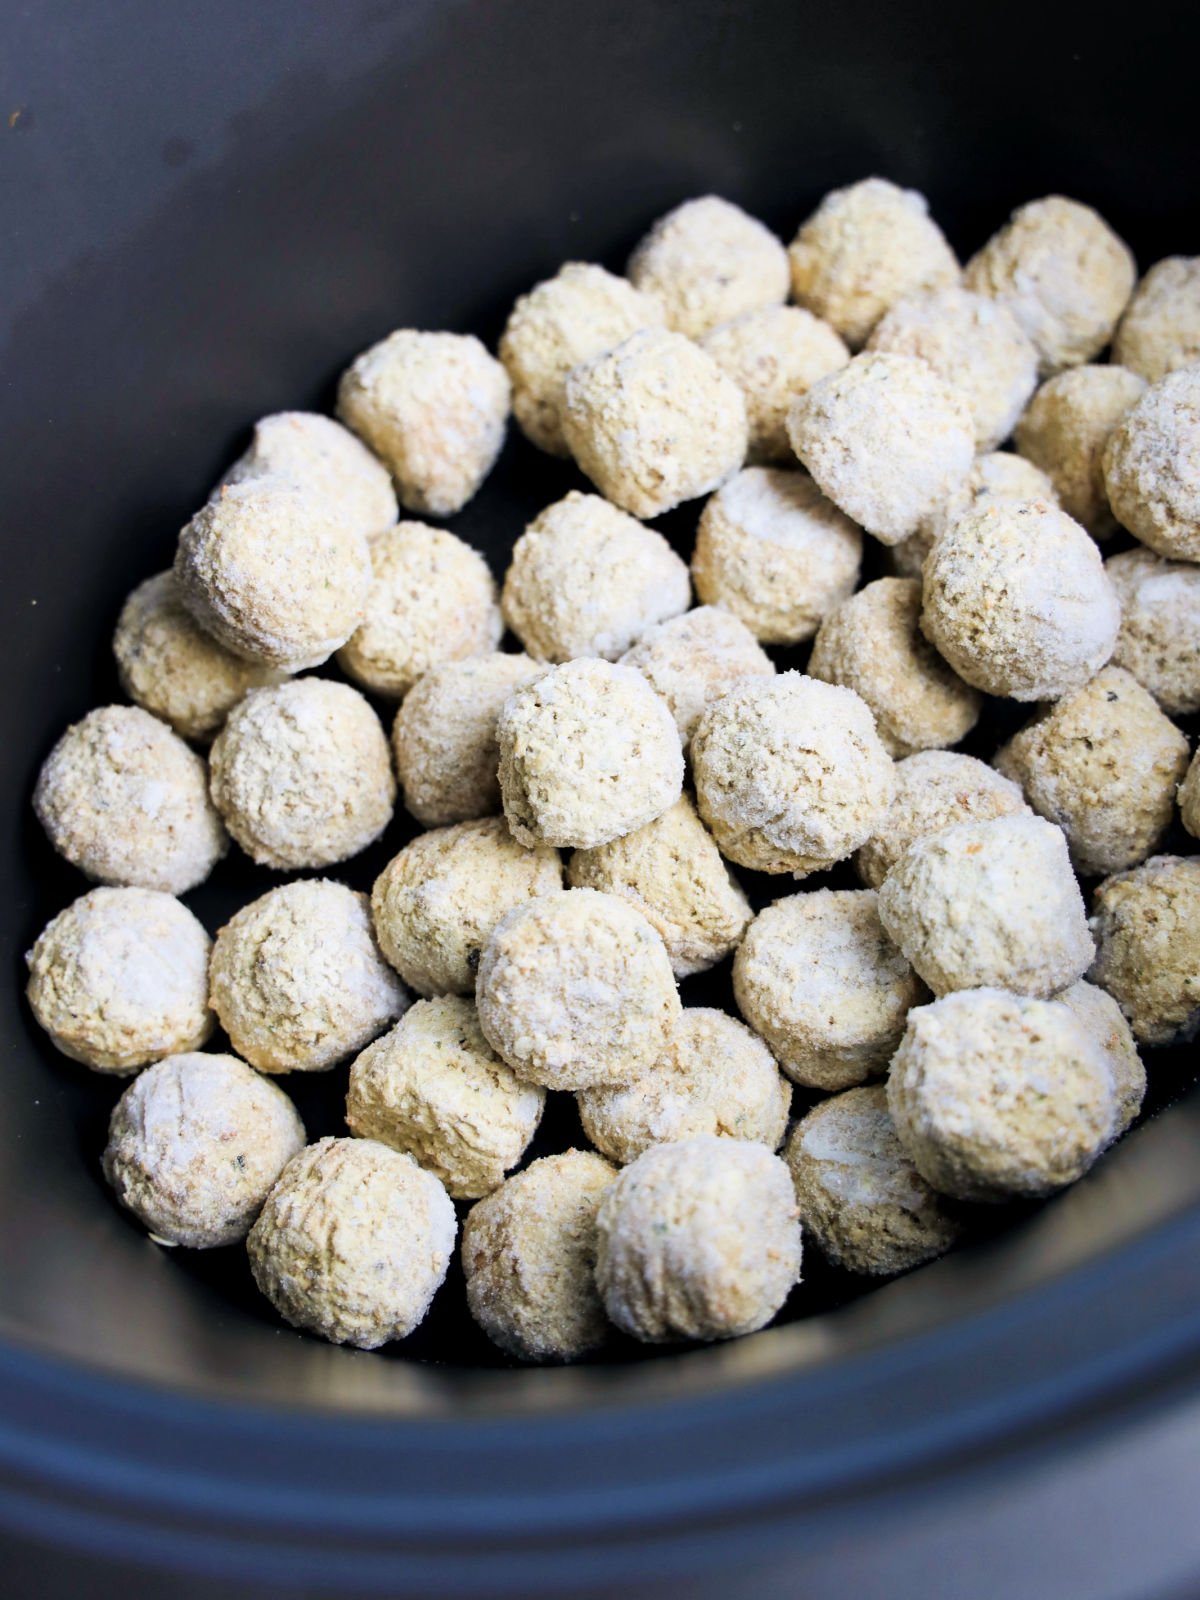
(1105, 1022)
(707, 261)
(1160, 330)
(819, 979)
(773, 355)
(353, 1242)
(1159, 641)
(1146, 924)
(323, 460)
(1152, 466)
(1189, 798)
(692, 660)
(997, 475)
(1065, 430)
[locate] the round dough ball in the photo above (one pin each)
(773, 355)
(434, 1089)
(1152, 466)
(353, 1242)
(1017, 601)
(1063, 273)
(997, 475)
(997, 1096)
(864, 248)
(1065, 430)
(707, 261)
(275, 575)
(790, 773)
(715, 1077)
(1103, 764)
(989, 903)
(444, 737)
(934, 790)
(861, 1198)
(1159, 641)
(1189, 798)
(125, 801)
(692, 660)
(195, 1145)
(433, 406)
(297, 979)
(575, 990)
(436, 903)
(771, 549)
(302, 775)
(323, 460)
(120, 978)
(1104, 1022)
(588, 752)
(654, 422)
(886, 439)
(1160, 330)
(1146, 924)
(698, 1240)
(588, 580)
(529, 1258)
(169, 666)
(975, 344)
(873, 644)
(571, 317)
(672, 871)
(823, 984)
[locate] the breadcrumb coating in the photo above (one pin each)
(1104, 1021)
(997, 475)
(1159, 641)
(323, 460)
(1160, 330)
(1146, 924)
(707, 261)
(691, 660)
(1065, 430)
(1152, 466)
(773, 355)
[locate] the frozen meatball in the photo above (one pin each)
(1017, 601)
(587, 580)
(1146, 924)
(275, 575)
(297, 979)
(771, 549)
(1159, 641)
(529, 1258)
(169, 666)
(873, 644)
(436, 903)
(1152, 466)
(434, 1088)
(324, 460)
(975, 344)
(707, 261)
(125, 801)
(790, 773)
(773, 355)
(579, 313)
(1105, 1023)
(1160, 330)
(823, 984)
(698, 1240)
(575, 990)
(302, 775)
(433, 406)
(886, 439)
(1065, 430)
(654, 422)
(195, 1145)
(672, 871)
(864, 248)
(692, 660)
(861, 1199)
(1064, 275)
(1103, 764)
(432, 599)
(934, 790)
(715, 1076)
(1189, 798)
(997, 475)
(353, 1242)
(120, 978)
(588, 752)
(444, 737)
(998, 1096)
(989, 903)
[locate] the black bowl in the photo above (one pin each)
(208, 211)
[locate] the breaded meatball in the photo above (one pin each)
(1159, 641)
(773, 355)
(323, 460)
(1064, 432)
(997, 475)
(1152, 466)
(1104, 1021)
(707, 261)
(692, 660)
(1160, 330)
(1146, 924)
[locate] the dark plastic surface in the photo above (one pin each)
(207, 211)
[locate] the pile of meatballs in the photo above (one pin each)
(966, 1027)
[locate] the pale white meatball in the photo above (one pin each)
(1159, 641)
(692, 660)
(707, 261)
(1146, 923)
(323, 460)
(433, 406)
(997, 475)
(773, 355)
(1160, 330)
(1065, 430)
(1152, 466)
(1105, 1022)
(125, 801)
